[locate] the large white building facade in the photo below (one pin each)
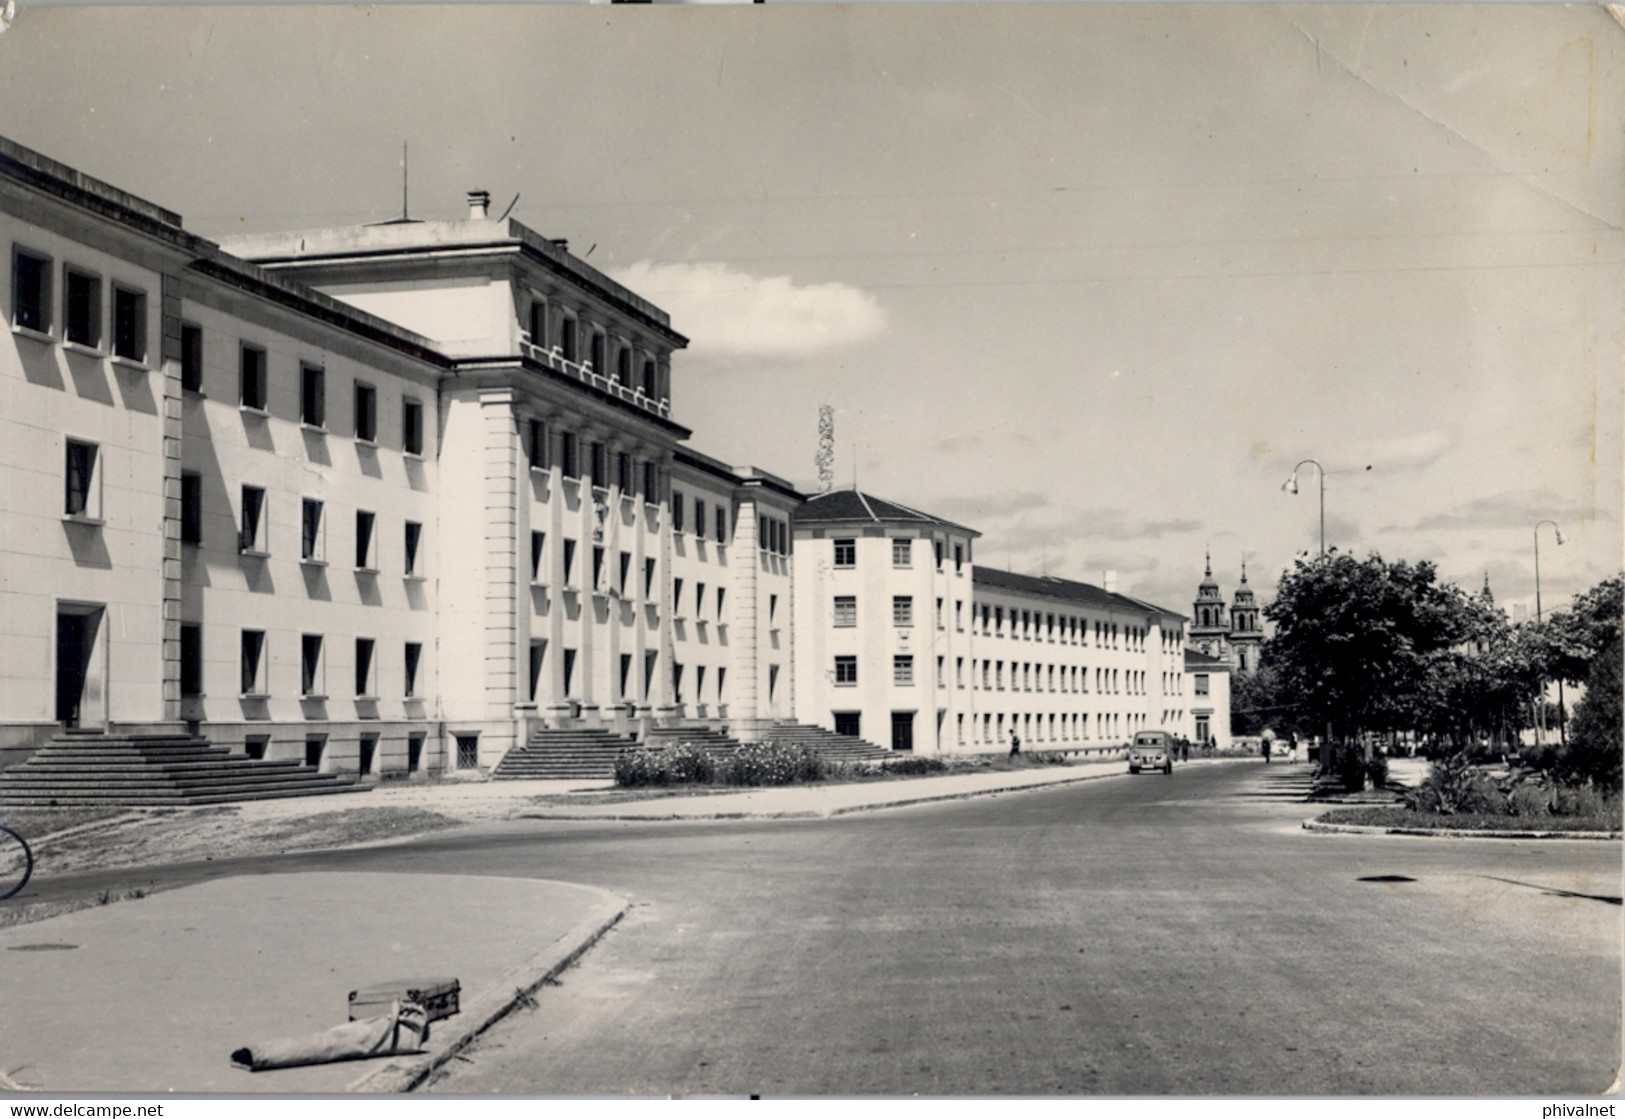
(389, 499)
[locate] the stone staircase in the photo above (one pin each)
(836, 747)
(154, 770)
(716, 742)
(560, 755)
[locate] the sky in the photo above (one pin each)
(1091, 279)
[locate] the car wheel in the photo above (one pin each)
(1134, 769)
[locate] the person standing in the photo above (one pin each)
(1015, 744)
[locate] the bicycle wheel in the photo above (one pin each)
(16, 863)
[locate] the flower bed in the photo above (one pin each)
(1395, 817)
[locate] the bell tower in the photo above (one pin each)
(1246, 633)
(1209, 631)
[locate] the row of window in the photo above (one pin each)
(83, 297)
(561, 330)
(902, 553)
(1060, 727)
(254, 534)
(679, 519)
(1024, 677)
(603, 467)
(845, 611)
(254, 665)
(253, 392)
(1035, 625)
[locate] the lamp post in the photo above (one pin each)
(1540, 722)
(1291, 486)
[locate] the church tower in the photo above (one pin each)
(1246, 632)
(1209, 631)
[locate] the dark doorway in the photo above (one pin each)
(78, 694)
(849, 723)
(902, 730)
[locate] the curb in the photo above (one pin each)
(496, 1002)
(1316, 825)
(824, 813)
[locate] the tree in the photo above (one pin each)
(1358, 643)
(1583, 645)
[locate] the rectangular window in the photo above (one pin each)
(538, 553)
(772, 608)
(414, 537)
(648, 578)
(623, 471)
(600, 364)
(722, 525)
(599, 461)
(651, 482)
(313, 395)
(846, 670)
(414, 657)
(468, 751)
(722, 597)
(677, 596)
(902, 552)
(251, 537)
(82, 301)
(1201, 683)
(902, 610)
(959, 558)
(936, 549)
(626, 572)
(699, 599)
(538, 657)
(253, 662)
(31, 291)
(251, 377)
(364, 559)
(623, 365)
(597, 567)
(191, 659)
(364, 686)
(191, 508)
(959, 672)
(940, 624)
(411, 426)
(902, 669)
(569, 559)
(570, 452)
(846, 610)
(536, 443)
(366, 413)
(311, 544)
(959, 615)
(191, 357)
(538, 323)
(676, 511)
(569, 339)
(941, 682)
(626, 663)
(649, 381)
(83, 480)
(846, 553)
(311, 674)
(129, 323)
(699, 517)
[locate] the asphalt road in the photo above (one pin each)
(1153, 935)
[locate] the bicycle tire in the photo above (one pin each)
(16, 863)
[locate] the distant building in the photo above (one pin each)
(901, 639)
(1232, 634)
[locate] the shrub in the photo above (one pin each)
(1453, 785)
(772, 763)
(1527, 798)
(1351, 768)
(679, 764)
(1377, 770)
(913, 766)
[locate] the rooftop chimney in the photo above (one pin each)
(1111, 582)
(479, 205)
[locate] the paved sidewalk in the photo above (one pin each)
(152, 995)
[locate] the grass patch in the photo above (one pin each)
(36, 823)
(1382, 816)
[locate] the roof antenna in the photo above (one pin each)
(404, 219)
(511, 205)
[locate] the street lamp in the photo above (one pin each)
(1540, 722)
(1291, 486)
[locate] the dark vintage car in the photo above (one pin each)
(1151, 749)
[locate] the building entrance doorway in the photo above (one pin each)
(902, 730)
(81, 665)
(849, 723)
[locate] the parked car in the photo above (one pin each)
(1151, 749)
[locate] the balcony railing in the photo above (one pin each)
(582, 371)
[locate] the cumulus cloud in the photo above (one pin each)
(1403, 452)
(727, 312)
(1502, 510)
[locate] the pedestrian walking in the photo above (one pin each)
(1267, 745)
(1184, 749)
(1015, 744)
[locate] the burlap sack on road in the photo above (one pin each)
(403, 1030)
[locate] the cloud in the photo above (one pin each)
(972, 508)
(1403, 452)
(1502, 510)
(732, 313)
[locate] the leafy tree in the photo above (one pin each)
(1359, 643)
(1594, 743)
